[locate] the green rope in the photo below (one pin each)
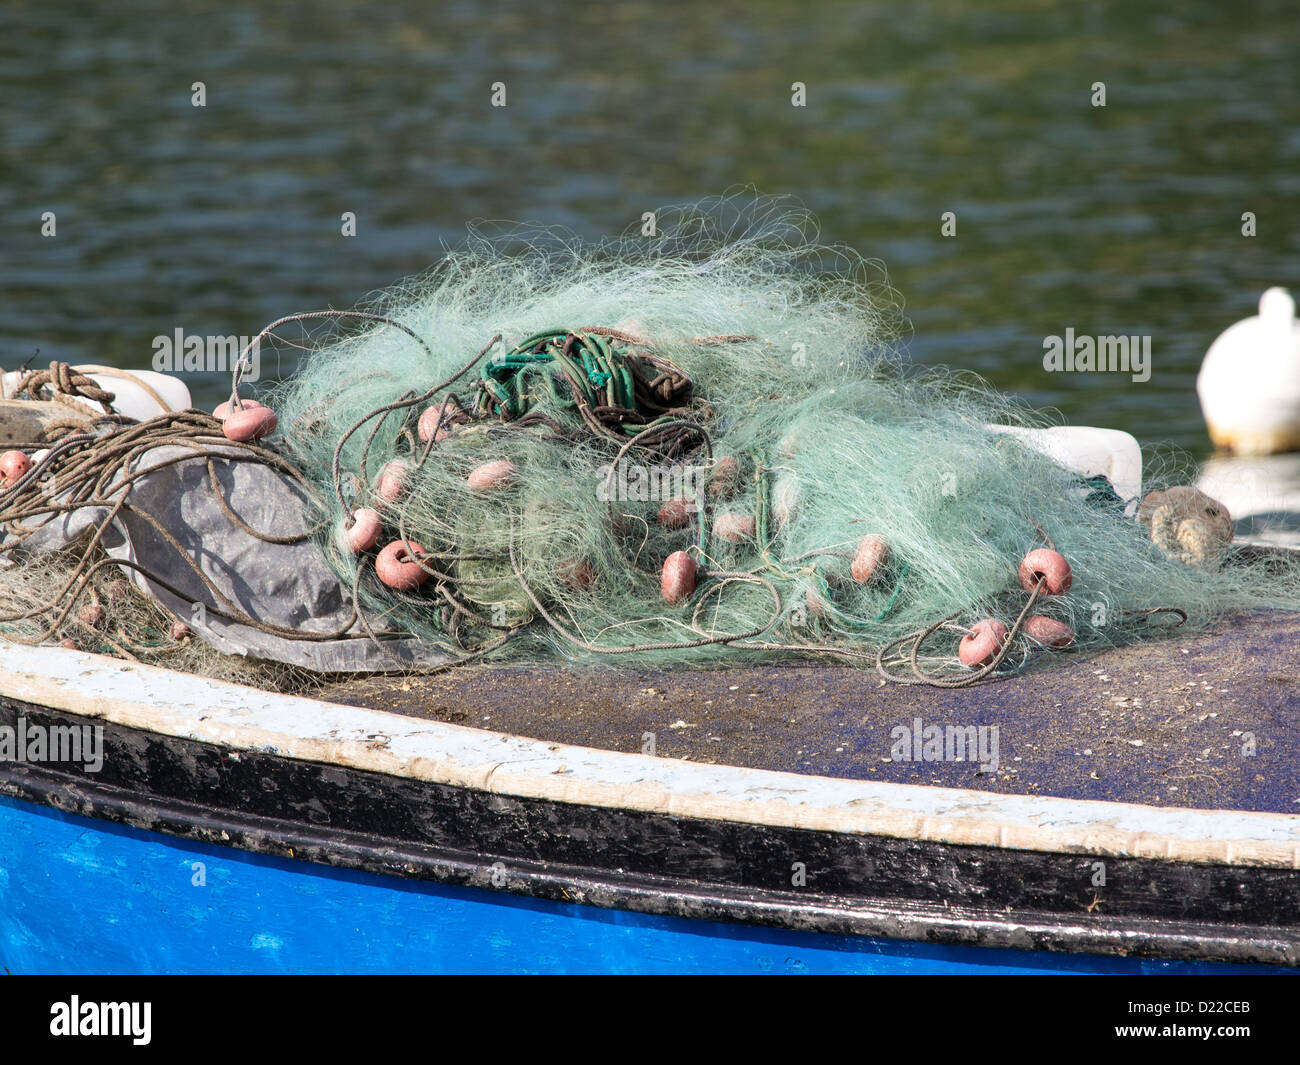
(596, 370)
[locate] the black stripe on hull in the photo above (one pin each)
(655, 863)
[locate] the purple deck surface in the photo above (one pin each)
(1208, 720)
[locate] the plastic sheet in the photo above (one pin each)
(283, 585)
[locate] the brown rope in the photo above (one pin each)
(61, 379)
(101, 470)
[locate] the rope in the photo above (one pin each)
(65, 384)
(974, 677)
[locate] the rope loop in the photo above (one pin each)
(64, 382)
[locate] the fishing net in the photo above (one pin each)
(696, 446)
(555, 421)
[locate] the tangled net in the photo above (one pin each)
(688, 448)
(733, 424)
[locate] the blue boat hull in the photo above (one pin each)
(80, 895)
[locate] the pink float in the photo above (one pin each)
(817, 606)
(364, 532)
(222, 411)
(734, 528)
(981, 645)
(1048, 566)
(251, 423)
(785, 501)
(13, 465)
(493, 475)
(678, 580)
(392, 481)
(579, 574)
(1048, 631)
(870, 558)
(676, 513)
(93, 616)
(396, 567)
(726, 477)
(435, 423)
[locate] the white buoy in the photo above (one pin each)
(1249, 383)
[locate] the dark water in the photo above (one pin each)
(1117, 220)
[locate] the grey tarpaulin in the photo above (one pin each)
(289, 585)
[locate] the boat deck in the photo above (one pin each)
(1170, 723)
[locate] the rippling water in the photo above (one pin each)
(1117, 220)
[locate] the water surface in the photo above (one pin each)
(1117, 220)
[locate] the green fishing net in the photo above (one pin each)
(727, 388)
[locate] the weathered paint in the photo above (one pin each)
(836, 883)
(1207, 720)
(178, 704)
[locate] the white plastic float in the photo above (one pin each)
(1087, 451)
(139, 394)
(1249, 383)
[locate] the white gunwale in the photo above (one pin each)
(242, 718)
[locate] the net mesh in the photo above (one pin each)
(727, 388)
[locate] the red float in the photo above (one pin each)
(981, 645)
(1048, 566)
(396, 567)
